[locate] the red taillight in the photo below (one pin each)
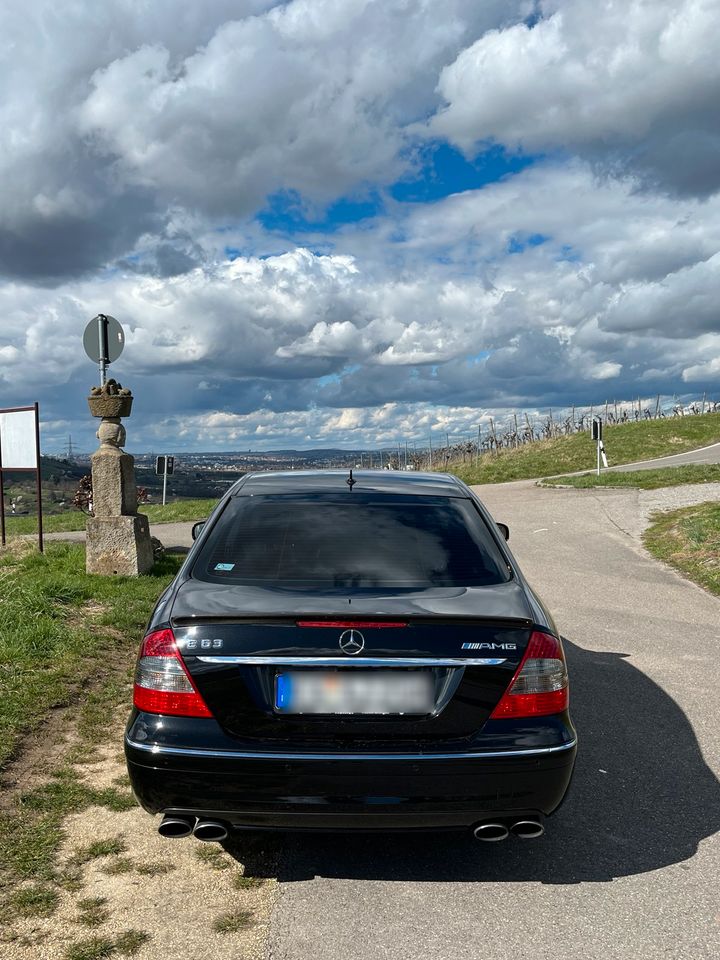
(540, 685)
(162, 684)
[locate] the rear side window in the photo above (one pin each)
(351, 542)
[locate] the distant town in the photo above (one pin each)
(195, 475)
(210, 474)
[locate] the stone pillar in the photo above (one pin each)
(118, 538)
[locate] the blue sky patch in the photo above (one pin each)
(444, 170)
(337, 377)
(520, 242)
(439, 171)
(286, 212)
(568, 254)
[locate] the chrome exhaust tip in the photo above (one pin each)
(210, 831)
(527, 829)
(490, 832)
(176, 827)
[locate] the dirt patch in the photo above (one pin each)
(44, 749)
(40, 751)
(178, 898)
(162, 890)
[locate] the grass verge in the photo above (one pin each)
(61, 631)
(624, 443)
(67, 638)
(177, 512)
(50, 862)
(642, 479)
(689, 540)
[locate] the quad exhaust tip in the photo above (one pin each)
(492, 832)
(210, 831)
(176, 827)
(528, 829)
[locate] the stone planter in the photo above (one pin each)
(105, 406)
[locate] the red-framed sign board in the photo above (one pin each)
(20, 453)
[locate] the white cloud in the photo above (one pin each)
(707, 372)
(122, 112)
(683, 304)
(597, 76)
(448, 315)
(138, 156)
(605, 370)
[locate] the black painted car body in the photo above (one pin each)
(297, 584)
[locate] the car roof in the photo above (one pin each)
(335, 481)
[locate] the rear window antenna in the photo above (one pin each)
(350, 482)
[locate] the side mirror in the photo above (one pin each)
(197, 529)
(504, 530)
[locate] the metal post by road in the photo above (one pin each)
(103, 347)
(164, 479)
(39, 478)
(2, 503)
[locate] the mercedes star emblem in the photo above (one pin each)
(352, 642)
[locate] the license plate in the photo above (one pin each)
(354, 692)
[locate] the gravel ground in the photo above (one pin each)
(161, 888)
(632, 510)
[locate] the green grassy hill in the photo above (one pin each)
(624, 443)
(642, 479)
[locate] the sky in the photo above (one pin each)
(353, 222)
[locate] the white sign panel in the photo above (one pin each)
(17, 440)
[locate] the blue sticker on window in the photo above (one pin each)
(224, 566)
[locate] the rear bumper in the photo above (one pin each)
(372, 792)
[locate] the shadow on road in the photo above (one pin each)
(642, 798)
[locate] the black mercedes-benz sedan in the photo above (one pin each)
(350, 652)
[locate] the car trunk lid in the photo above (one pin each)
(236, 643)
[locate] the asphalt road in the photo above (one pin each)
(709, 454)
(175, 537)
(629, 866)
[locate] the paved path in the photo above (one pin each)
(629, 867)
(710, 454)
(175, 537)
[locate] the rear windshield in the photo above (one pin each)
(351, 542)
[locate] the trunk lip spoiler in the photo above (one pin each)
(251, 660)
(425, 620)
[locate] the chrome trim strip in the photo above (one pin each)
(355, 661)
(158, 750)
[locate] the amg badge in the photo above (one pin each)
(489, 646)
